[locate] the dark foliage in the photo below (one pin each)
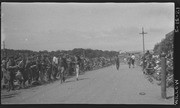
(165, 45)
(89, 53)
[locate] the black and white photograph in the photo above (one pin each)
(87, 53)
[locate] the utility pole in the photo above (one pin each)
(143, 45)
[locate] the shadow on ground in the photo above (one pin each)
(10, 95)
(76, 80)
(169, 97)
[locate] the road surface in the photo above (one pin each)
(102, 86)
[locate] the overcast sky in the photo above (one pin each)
(64, 26)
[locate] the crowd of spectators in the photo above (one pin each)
(26, 70)
(152, 66)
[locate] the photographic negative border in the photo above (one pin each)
(176, 55)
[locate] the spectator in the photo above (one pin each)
(11, 67)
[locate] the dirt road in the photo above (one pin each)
(103, 86)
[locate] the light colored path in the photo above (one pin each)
(103, 86)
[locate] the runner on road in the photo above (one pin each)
(133, 59)
(129, 59)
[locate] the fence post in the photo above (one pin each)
(163, 76)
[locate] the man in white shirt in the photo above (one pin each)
(55, 67)
(55, 60)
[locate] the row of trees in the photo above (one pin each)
(166, 44)
(89, 53)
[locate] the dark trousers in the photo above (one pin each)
(54, 70)
(117, 66)
(133, 62)
(62, 74)
(129, 63)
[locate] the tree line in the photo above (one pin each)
(88, 53)
(166, 44)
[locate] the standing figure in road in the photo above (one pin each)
(55, 67)
(129, 59)
(77, 61)
(133, 59)
(117, 62)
